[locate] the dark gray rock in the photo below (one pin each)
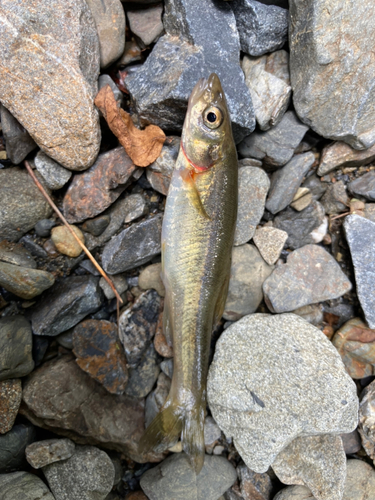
(15, 347)
(16, 254)
(18, 142)
(45, 452)
(159, 173)
(286, 181)
(133, 247)
(157, 398)
(275, 147)
(146, 24)
(341, 155)
(175, 478)
(13, 445)
(253, 484)
(24, 282)
(351, 442)
(315, 185)
(23, 485)
(43, 227)
(66, 304)
(134, 207)
(360, 235)
(54, 174)
(262, 28)
(33, 247)
(167, 367)
(364, 186)
(96, 226)
(335, 200)
(142, 378)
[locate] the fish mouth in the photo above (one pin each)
(207, 88)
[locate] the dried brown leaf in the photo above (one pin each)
(143, 146)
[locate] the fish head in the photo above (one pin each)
(207, 126)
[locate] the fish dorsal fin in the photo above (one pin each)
(193, 193)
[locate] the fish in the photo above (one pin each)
(197, 239)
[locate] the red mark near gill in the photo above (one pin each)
(197, 168)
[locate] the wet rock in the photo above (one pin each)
(143, 376)
(119, 282)
(99, 353)
(310, 275)
(146, 24)
(18, 142)
(264, 418)
(286, 181)
(312, 313)
(150, 278)
(253, 185)
(15, 347)
(66, 304)
(21, 204)
(90, 193)
(341, 155)
(87, 475)
(335, 200)
(156, 398)
(133, 247)
(42, 453)
(10, 400)
(43, 227)
(315, 185)
(16, 254)
(360, 235)
(13, 445)
(247, 274)
(96, 226)
(24, 282)
(367, 420)
(275, 147)
(175, 478)
(55, 175)
(364, 185)
(270, 242)
(65, 242)
(23, 485)
(63, 68)
(159, 173)
(254, 485)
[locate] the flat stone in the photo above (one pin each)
(335, 200)
(66, 304)
(52, 172)
(55, 103)
(275, 147)
(247, 275)
(65, 242)
(253, 484)
(24, 282)
(16, 254)
(91, 192)
(156, 399)
(96, 226)
(120, 283)
(310, 275)
(133, 247)
(270, 242)
(87, 475)
(364, 185)
(43, 227)
(263, 418)
(316, 68)
(318, 462)
(12, 447)
(18, 142)
(21, 204)
(341, 155)
(367, 420)
(150, 278)
(360, 481)
(42, 453)
(10, 400)
(99, 353)
(146, 24)
(286, 181)
(174, 478)
(143, 376)
(262, 28)
(302, 199)
(360, 235)
(15, 347)
(23, 485)
(253, 185)
(159, 173)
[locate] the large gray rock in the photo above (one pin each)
(13, 445)
(360, 235)
(263, 418)
(15, 347)
(18, 142)
(341, 155)
(23, 485)
(331, 64)
(364, 186)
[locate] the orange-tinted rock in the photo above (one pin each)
(136, 495)
(160, 342)
(10, 400)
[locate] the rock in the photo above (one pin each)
(351, 442)
(341, 155)
(269, 91)
(367, 420)
(12, 447)
(157, 398)
(364, 185)
(33, 247)
(65, 339)
(21, 204)
(143, 376)
(96, 226)
(262, 28)
(162, 346)
(66, 304)
(360, 481)
(55, 103)
(91, 192)
(150, 278)
(110, 22)
(249, 162)
(270, 242)
(247, 274)
(159, 173)
(318, 462)
(87, 475)
(335, 200)
(312, 313)
(15, 347)
(134, 208)
(302, 199)
(167, 367)
(24, 282)
(132, 54)
(119, 282)
(360, 235)
(54, 175)
(100, 354)
(16, 254)
(310, 275)
(64, 241)
(18, 142)
(146, 24)
(133, 247)
(212, 433)
(294, 493)
(10, 400)
(305, 227)
(369, 211)
(254, 485)
(161, 87)
(23, 485)
(286, 181)
(275, 147)
(174, 478)
(315, 185)
(43, 227)
(42, 453)
(253, 185)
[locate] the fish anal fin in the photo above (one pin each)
(193, 193)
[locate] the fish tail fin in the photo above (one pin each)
(193, 438)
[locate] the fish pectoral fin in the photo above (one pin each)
(193, 193)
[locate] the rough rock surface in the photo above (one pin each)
(263, 418)
(55, 175)
(367, 420)
(341, 155)
(150, 278)
(333, 51)
(143, 376)
(10, 400)
(295, 493)
(254, 485)
(46, 452)
(360, 481)
(16, 254)
(17, 140)
(24, 282)
(335, 200)
(55, 103)
(364, 186)
(23, 485)
(12, 447)
(146, 24)
(270, 242)
(15, 347)
(159, 173)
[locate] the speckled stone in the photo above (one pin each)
(341, 155)
(10, 400)
(25, 486)
(270, 242)
(54, 174)
(42, 453)
(15, 347)
(254, 485)
(24, 282)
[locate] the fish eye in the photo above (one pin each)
(212, 117)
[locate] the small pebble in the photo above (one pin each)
(65, 242)
(150, 277)
(96, 226)
(42, 453)
(43, 227)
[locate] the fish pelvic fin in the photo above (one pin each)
(193, 438)
(193, 193)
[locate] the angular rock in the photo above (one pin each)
(175, 478)
(360, 235)
(253, 185)
(12, 447)
(24, 282)
(132, 54)
(134, 207)
(15, 347)
(55, 103)
(146, 24)
(157, 398)
(167, 367)
(119, 282)
(270, 242)
(310, 275)
(143, 376)
(341, 155)
(367, 420)
(133, 247)
(364, 185)
(87, 475)
(262, 418)
(275, 147)
(254, 485)
(16, 254)
(54, 174)
(159, 173)
(43, 227)
(247, 274)
(42, 453)
(18, 142)
(96, 226)
(10, 400)
(315, 185)
(23, 485)
(65, 242)
(66, 304)
(302, 199)
(286, 181)
(335, 200)
(150, 278)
